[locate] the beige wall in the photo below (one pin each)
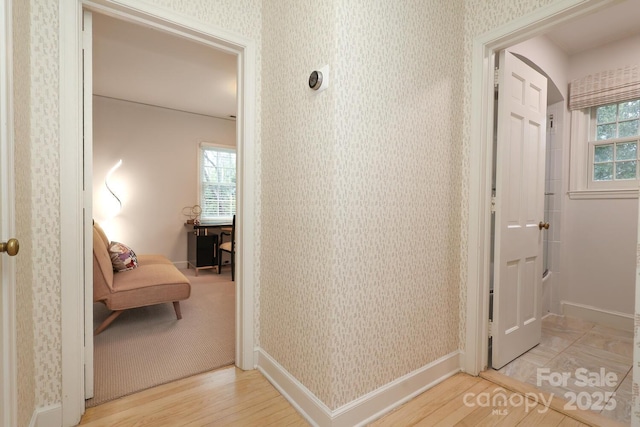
(297, 277)
(398, 150)
(361, 184)
(608, 57)
(158, 177)
(600, 235)
(552, 60)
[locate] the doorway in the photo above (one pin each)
(482, 108)
(154, 97)
(481, 170)
(72, 196)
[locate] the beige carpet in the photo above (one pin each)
(148, 346)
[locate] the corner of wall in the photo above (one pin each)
(366, 408)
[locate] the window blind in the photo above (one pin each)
(218, 182)
(606, 87)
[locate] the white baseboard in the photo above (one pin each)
(181, 264)
(47, 416)
(365, 409)
(613, 319)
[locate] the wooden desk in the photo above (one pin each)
(202, 246)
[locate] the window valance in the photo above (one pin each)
(605, 88)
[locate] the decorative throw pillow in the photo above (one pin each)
(122, 257)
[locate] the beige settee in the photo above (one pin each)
(156, 280)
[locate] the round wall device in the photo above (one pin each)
(315, 80)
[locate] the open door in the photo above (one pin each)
(519, 205)
(87, 136)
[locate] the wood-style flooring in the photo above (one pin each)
(231, 397)
(225, 397)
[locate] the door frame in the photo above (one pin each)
(8, 340)
(485, 47)
(71, 195)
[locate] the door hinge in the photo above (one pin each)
(496, 77)
(493, 204)
(490, 328)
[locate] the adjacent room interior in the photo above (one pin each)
(164, 139)
(589, 247)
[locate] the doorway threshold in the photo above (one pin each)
(549, 400)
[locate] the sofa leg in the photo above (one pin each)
(176, 306)
(107, 321)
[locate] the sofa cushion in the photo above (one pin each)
(147, 285)
(122, 256)
(102, 268)
(148, 259)
(101, 233)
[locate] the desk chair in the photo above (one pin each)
(224, 231)
(229, 247)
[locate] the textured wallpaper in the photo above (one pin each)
(24, 262)
(45, 200)
(398, 83)
(298, 193)
(385, 251)
(361, 184)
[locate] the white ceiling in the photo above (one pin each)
(139, 64)
(597, 29)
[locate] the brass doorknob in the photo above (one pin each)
(544, 225)
(11, 247)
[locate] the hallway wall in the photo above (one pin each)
(375, 155)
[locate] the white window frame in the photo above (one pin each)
(582, 142)
(203, 145)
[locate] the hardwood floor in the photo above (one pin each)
(463, 400)
(230, 396)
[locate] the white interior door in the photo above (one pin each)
(87, 87)
(520, 168)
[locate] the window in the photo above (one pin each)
(217, 173)
(613, 145)
(605, 115)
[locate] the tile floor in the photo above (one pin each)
(569, 344)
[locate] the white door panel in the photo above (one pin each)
(520, 171)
